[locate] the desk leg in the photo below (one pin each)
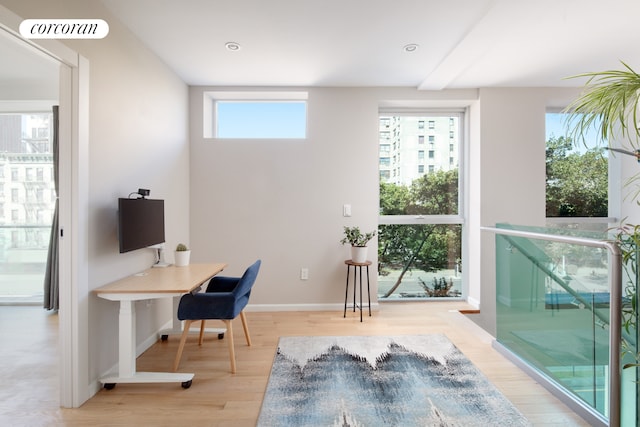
(127, 355)
(127, 339)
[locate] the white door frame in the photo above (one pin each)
(73, 203)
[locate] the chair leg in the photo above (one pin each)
(183, 339)
(245, 327)
(201, 337)
(232, 355)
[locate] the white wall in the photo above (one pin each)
(138, 139)
(511, 174)
(281, 200)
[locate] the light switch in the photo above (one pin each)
(346, 210)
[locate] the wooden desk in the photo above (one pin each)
(163, 282)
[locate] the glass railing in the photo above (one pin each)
(559, 300)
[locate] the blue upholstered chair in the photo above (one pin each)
(224, 299)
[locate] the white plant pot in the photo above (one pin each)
(182, 258)
(359, 254)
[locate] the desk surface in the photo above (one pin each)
(171, 279)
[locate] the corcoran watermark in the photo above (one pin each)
(64, 28)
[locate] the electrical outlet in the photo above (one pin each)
(304, 273)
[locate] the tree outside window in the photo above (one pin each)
(576, 175)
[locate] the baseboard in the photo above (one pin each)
(473, 302)
(301, 307)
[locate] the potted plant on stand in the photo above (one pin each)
(358, 242)
(182, 255)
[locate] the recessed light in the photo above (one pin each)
(411, 47)
(232, 46)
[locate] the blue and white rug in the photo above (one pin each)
(413, 380)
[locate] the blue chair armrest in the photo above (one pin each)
(222, 284)
(219, 305)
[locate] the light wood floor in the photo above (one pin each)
(28, 384)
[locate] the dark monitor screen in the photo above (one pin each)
(140, 223)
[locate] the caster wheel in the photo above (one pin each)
(164, 337)
(187, 384)
(220, 336)
(109, 386)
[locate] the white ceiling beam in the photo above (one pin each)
(488, 29)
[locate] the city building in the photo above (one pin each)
(411, 146)
(27, 194)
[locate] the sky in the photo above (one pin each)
(556, 127)
(261, 119)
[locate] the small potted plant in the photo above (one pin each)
(358, 242)
(182, 255)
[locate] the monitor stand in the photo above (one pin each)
(159, 256)
(161, 264)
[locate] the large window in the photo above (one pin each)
(420, 226)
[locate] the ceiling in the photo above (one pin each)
(461, 43)
(26, 70)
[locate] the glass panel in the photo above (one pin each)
(552, 304)
(415, 190)
(419, 261)
(629, 238)
(27, 198)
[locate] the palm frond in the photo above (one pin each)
(608, 105)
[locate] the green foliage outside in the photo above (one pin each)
(428, 247)
(576, 186)
(577, 183)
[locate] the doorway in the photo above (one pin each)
(72, 78)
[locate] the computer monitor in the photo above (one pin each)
(140, 223)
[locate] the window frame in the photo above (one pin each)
(562, 220)
(457, 218)
(212, 98)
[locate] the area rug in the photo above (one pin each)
(413, 380)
